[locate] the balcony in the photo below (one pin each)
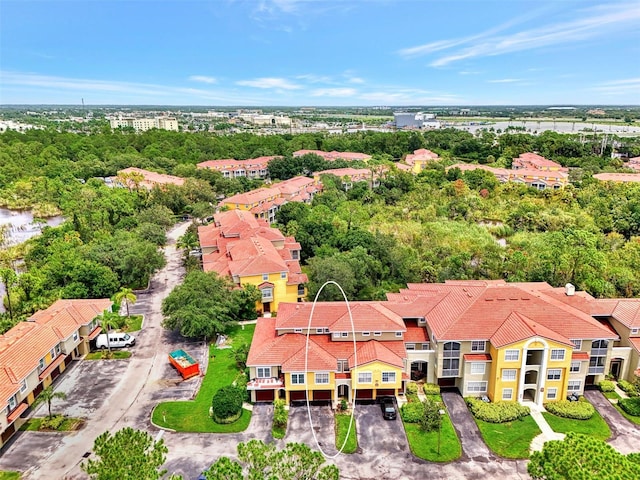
(596, 370)
(534, 357)
(450, 372)
(598, 352)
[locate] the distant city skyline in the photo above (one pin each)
(320, 53)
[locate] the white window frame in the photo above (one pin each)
(557, 354)
(577, 343)
(366, 334)
(506, 374)
(13, 402)
(267, 293)
(634, 331)
(343, 366)
(398, 334)
(265, 277)
(575, 367)
(283, 275)
(510, 353)
(377, 334)
(476, 344)
(410, 346)
(53, 353)
(336, 334)
(75, 336)
(297, 330)
(391, 377)
(426, 346)
(508, 396)
(478, 368)
(263, 370)
(365, 377)
(574, 385)
(326, 329)
(552, 373)
(477, 387)
(344, 334)
(23, 386)
(320, 378)
(319, 330)
(552, 393)
(297, 378)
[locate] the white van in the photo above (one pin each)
(116, 340)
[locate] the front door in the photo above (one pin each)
(616, 367)
(266, 307)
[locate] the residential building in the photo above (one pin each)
(266, 120)
(419, 159)
(35, 352)
(533, 161)
(331, 156)
(137, 177)
(230, 168)
(618, 177)
(250, 252)
(349, 176)
(144, 124)
(538, 179)
(264, 202)
(507, 341)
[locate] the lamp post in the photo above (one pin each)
(441, 413)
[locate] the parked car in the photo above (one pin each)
(388, 409)
(116, 340)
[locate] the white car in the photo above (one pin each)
(116, 340)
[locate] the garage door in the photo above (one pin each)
(264, 395)
(298, 396)
(386, 392)
(322, 395)
(364, 394)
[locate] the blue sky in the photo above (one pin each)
(307, 52)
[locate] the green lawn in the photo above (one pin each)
(510, 439)
(33, 425)
(631, 418)
(115, 355)
(10, 476)
(135, 324)
(595, 426)
(342, 427)
(193, 416)
(425, 444)
(611, 395)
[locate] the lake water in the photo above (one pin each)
(560, 127)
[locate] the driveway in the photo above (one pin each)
(625, 436)
(299, 430)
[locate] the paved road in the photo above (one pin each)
(625, 436)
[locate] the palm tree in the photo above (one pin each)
(47, 395)
(127, 296)
(109, 320)
(9, 279)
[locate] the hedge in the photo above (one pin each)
(567, 409)
(607, 386)
(227, 404)
(412, 388)
(628, 387)
(631, 406)
(498, 412)
(431, 389)
(412, 412)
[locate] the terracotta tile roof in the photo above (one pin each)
(317, 359)
(67, 316)
(373, 351)
(249, 198)
(617, 177)
(421, 154)
(329, 156)
(51, 367)
(416, 334)
(9, 386)
(230, 164)
(19, 410)
(518, 327)
(627, 312)
(535, 161)
(579, 356)
(150, 179)
(477, 357)
(635, 343)
(354, 174)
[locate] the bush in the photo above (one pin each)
(412, 398)
(412, 388)
(607, 386)
(628, 388)
(52, 423)
(431, 389)
(631, 406)
(280, 414)
(567, 409)
(227, 403)
(498, 412)
(241, 384)
(343, 405)
(412, 412)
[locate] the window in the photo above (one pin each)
(511, 355)
(13, 403)
(283, 275)
(267, 293)
(336, 334)
(574, 385)
(634, 331)
(552, 393)
(265, 276)
(319, 330)
(398, 334)
(450, 367)
(477, 346)
(476, 387)
(75, 336)
(343, 366)
(366, 334)
(364, 377)
(577, 344)
(58, 350)
(425, 346)
(554, 374)
(451, 350)
(263, 372)
(297, 378)
(297, 330)
(377, 334)
(509, 375)
(53, 353)
(388, 377)
(575, 367)
(41, 365)
(326, 329)
(344, 334)
(294, 255)
(477, 367)
(23, 386)
(557, 354)
(507, 394)
(322, 378)
(410, 346)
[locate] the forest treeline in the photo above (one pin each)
(431, 227)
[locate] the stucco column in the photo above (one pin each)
(542, 376)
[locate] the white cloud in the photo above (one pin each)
(312, 78)
(505, 80)
(627, 86)
(269, 82)
(394, 96)
(203, 79)
(469, 72)
(334, 92)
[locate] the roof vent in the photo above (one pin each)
(569, 290)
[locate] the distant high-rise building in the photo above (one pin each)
(144, 124)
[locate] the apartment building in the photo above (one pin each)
(349, 176)
(538, 179)
(514, 342)
(254, 168)
(333, 155)
(250, 252)
(35, 352)
(144, 124)
(618, 177)
(419, 159)
(137, 177)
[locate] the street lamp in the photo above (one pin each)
(441, 412)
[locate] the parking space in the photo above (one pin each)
(375, 434)
(299, 430)
(27, 449)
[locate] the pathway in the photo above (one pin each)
(547, 432)
(625, 436)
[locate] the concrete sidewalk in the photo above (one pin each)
(547, 432)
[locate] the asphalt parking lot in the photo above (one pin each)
(299, 429)
(375, 434)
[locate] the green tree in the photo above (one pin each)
(9, 280)
(126, 455)
(109, 320)
(127, 296)
(224, 469)
(431, 419)
(47, 396)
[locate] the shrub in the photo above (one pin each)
(431, 419)
(431, 389)
(52, 423)
(343, 405)
(412, 388)
(631, 406)
(280, 414)
(227, 403)
(412, 398)
(241, 384)
(628, 387)
(567, 409)
(498, 412)
(607, 386)
(412, 412)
